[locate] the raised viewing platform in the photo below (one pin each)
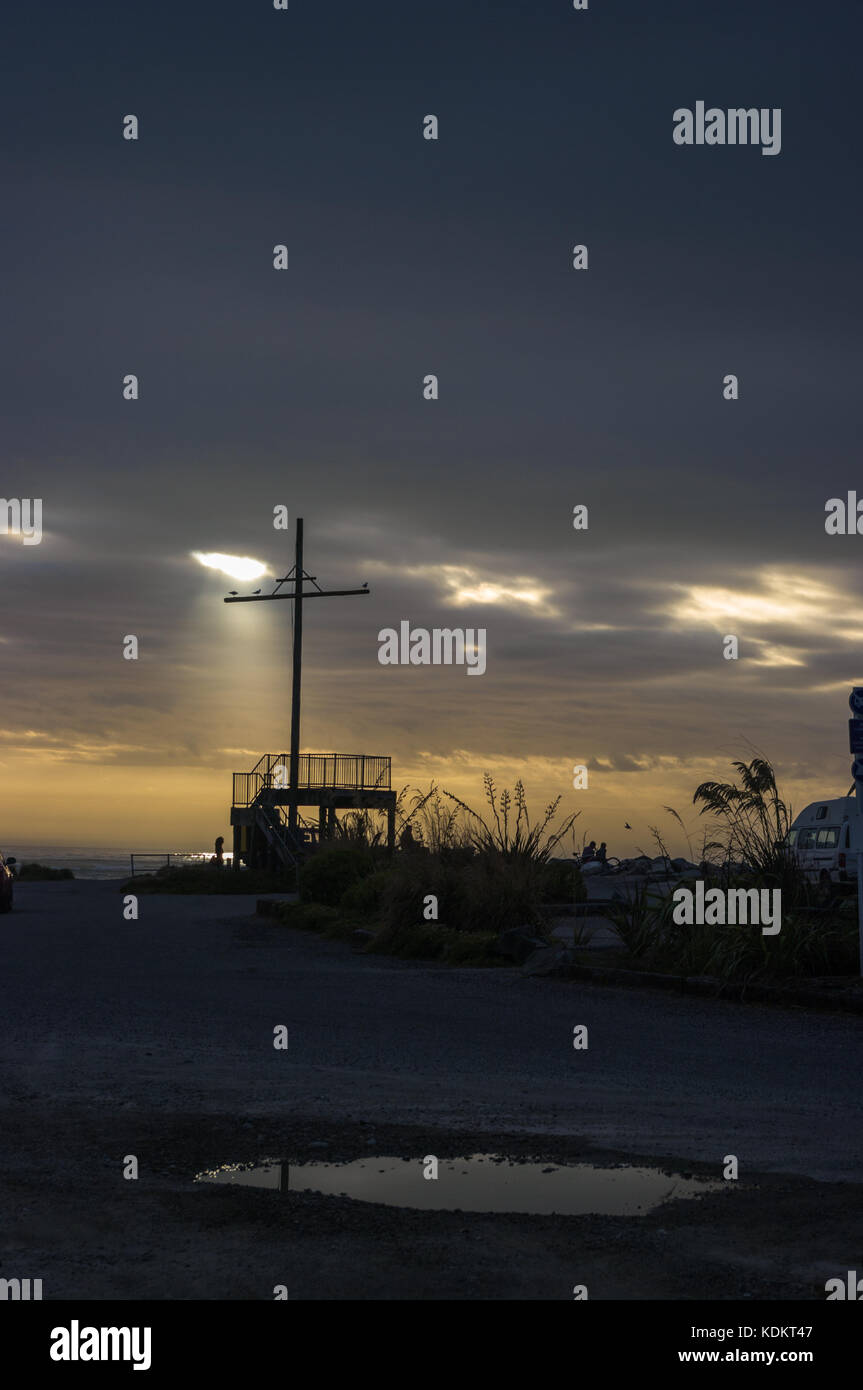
(318, 772)
(330, 781)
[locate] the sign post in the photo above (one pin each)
(855, 736)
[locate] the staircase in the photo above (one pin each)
(289, 849)
(269, 823)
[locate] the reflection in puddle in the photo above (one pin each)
(268, 1175)
(482, 1182)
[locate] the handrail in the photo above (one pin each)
(150, 854)
(340, 771)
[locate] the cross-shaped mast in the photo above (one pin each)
(297, 577)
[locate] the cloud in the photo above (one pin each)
(462, 585)
(772, 598)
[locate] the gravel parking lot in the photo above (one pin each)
(154, 1039)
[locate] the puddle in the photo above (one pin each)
(269, 1175)
(481, 1182)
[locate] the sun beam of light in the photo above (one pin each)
(234, 566)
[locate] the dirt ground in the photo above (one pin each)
(155, 1039)
(74, 1221)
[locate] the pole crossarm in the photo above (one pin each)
(306, 593)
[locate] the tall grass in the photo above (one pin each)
(752, 820)
(809, 943)
(508, 831)
(435, 826)
(747, 839)
(483, 895)
(486, 874)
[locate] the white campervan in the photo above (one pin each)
(825, 837)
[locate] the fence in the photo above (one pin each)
(150, 854)
(317, 771)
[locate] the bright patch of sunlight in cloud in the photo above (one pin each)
(235, 566)
(772, 655)
(779, 597)
(463, 584)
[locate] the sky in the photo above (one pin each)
(303, 388)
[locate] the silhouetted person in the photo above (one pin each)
(602, 853)
(589, 853)
(406, 839)
(219, 850)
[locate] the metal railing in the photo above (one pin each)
(150, 854)
(340, 771)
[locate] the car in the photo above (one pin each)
(7, 884)
(826, 838)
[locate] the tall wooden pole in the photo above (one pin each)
(297, 676)
(298, 579)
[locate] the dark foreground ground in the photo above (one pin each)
(154, 1038)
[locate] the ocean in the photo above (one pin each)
(87, 861)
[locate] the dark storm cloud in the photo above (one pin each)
(557, 388)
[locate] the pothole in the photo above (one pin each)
(478, 1182)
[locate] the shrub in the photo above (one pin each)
(411, 880)
(204, 879)
(560, 881)
(307, 916)
(410, 940)
(750, 823)
(809, 942)
(487, 894)
(364, 896)
(329, 873)
(428, 941)
(473, 948)
(41, 873)
(498, 893)
(634, 919)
